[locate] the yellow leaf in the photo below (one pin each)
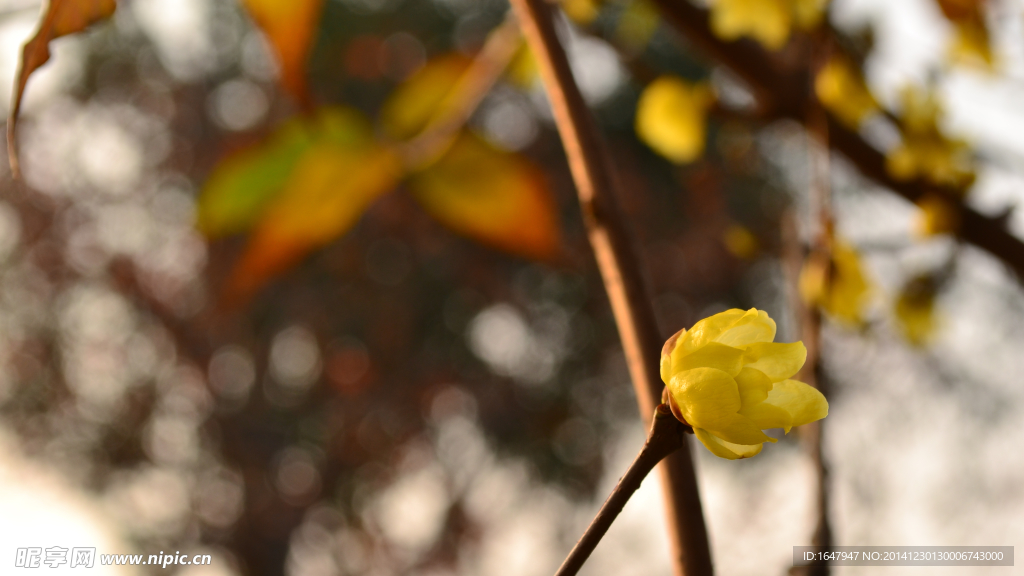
(241, 186)
(329, 189)
(60, 18)
(670, 117)
(412, 105)
(498, 198)
(291, 29)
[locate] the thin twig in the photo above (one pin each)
(621, 271)
(666, 436)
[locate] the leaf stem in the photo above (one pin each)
(620, 269)
(666, 436)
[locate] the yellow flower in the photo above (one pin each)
(971, 45)
(938, 215)
(522, 71)
(729, 381)
(740, 242)
(915, 309)
(581, 11)
(843, 92)
(837, 285)
(767, 21)
(637, 24)
(925, 150)
(670, 117)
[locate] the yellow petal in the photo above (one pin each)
(754, 387)
(724, 449)
(707, 330)
(710, 399)
(803, 403)
(778, 361)
(711, 355)
(753, 326)
(766, 416)
(666, 355)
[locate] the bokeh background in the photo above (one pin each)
(409, 401)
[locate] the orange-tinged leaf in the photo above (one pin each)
(413, 104)
(325, 195)
(498, 198)
(242, 185)
(60, 18)
(291, 28)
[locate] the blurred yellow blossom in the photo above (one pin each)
(841, 89)
(637, 24)
(971, 40)
(915, 309)
(522, 71)
(727, 379)
(925, 151)
(767, 21)
(807, 14)
(581, 11)
(670, 117)
(938, 216)
(740, 241)
(836, 283)
(971, 44)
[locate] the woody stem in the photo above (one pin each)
(665, 437)
(622, 271)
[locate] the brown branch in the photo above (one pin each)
(778, 87)
(620, 269)
(666, 436)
